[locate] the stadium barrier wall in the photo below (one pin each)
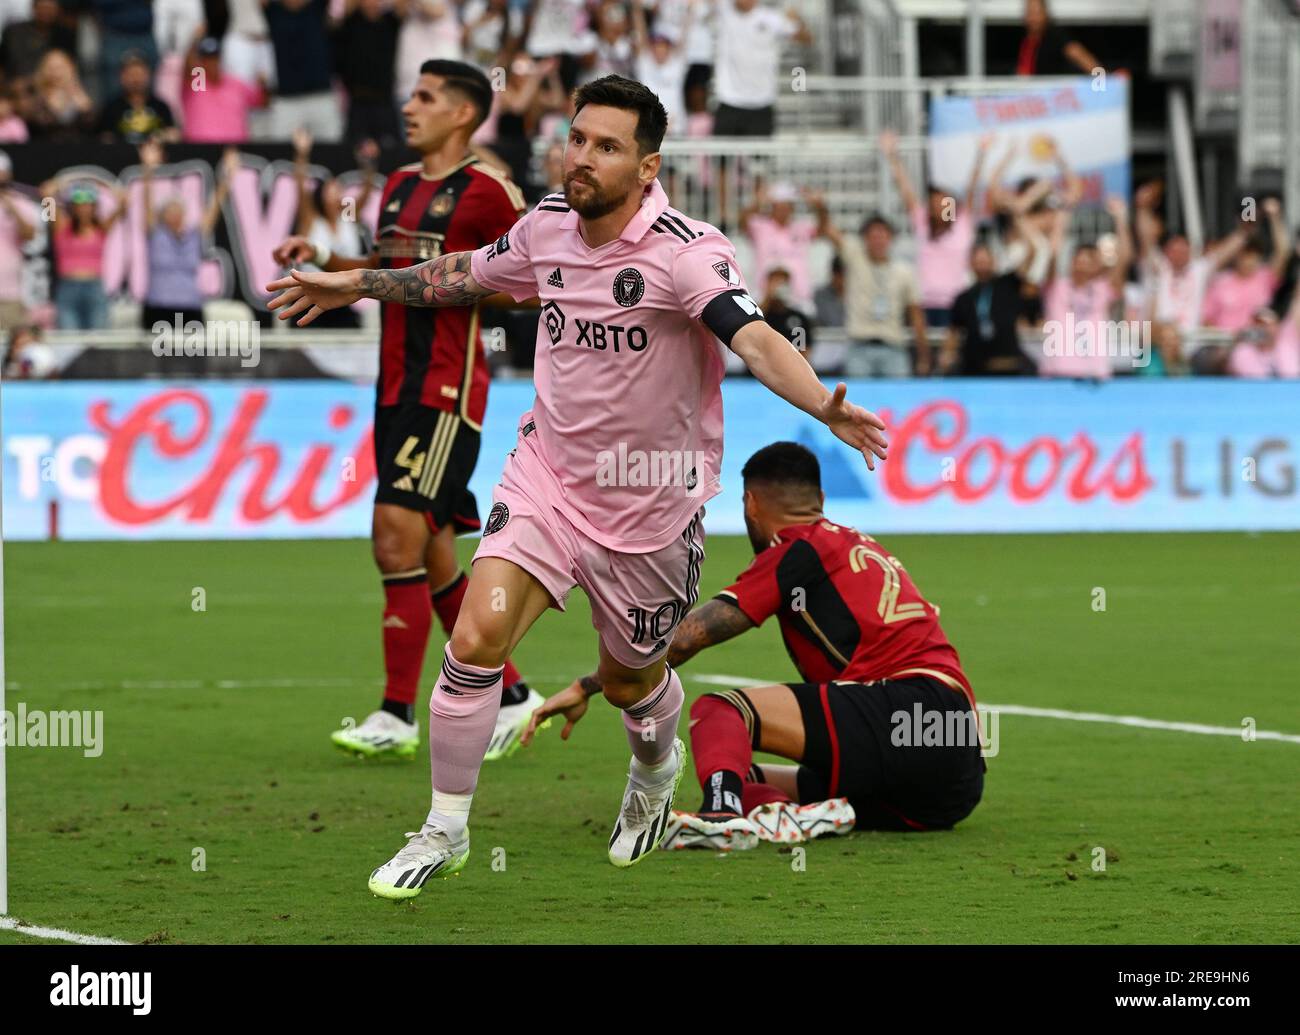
(289, 459)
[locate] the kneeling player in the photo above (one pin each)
(883, 725)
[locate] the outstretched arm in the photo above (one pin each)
(1118, 211)
(889, 145)
(981, 153)
(782, 368)
(443, 281)
(1225, 250)
(713, 622)
(301, 156)
(226, 171)
(1281, 240)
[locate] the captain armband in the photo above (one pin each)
(729, 312)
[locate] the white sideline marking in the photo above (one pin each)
(8, 923)
(718, 679)
(193, 684)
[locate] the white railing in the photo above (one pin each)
(714, 179)
(1269, 34)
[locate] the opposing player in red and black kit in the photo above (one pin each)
(430, 398)
(883, 725)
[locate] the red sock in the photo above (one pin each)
(407, 618)
(719, 741)
(446, 602)
(756, 794)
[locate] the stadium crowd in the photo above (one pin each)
(975, 275)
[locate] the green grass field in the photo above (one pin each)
(216, 731)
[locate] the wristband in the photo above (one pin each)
(322, 256)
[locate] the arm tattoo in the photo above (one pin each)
(712, 622)
(442, 281)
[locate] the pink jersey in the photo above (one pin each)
(1074, 329)
(218, 114)
(628, 414)
(78, 256)
(942, 262)
(785, 247)
(1282, 360)
(1233, 299)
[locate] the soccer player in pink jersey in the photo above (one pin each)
(623, 446)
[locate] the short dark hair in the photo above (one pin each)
(785, 464)
(465, 79)
(876, 219)
(614, 91)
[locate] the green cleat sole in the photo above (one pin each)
(392, 894)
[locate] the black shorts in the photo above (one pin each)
(423, 461)
(744, 122)
(858, 746)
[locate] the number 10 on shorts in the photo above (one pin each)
(656, 625)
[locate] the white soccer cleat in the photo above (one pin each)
(426, 854)
(511, 722)
(381, 733)
(785, 823)
(720, 832)
(644, 816)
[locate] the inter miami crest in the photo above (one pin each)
(497, 519)
(629, 286)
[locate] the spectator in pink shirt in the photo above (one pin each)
(1236, 294)
(80, 234)
(945, 232)
(1266, 350)
(781, 241)
(1177, 278)
(215, 103)
(1078, 330)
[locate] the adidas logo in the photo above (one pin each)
(555, 279)
(394, 622)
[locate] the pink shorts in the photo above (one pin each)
(637, 599)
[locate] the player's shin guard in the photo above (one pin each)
(446, 604)
(462, 712)
(651, 723)
(721, 741)
(408, 615)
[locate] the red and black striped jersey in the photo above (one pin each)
(848, 610)
(434, 356)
